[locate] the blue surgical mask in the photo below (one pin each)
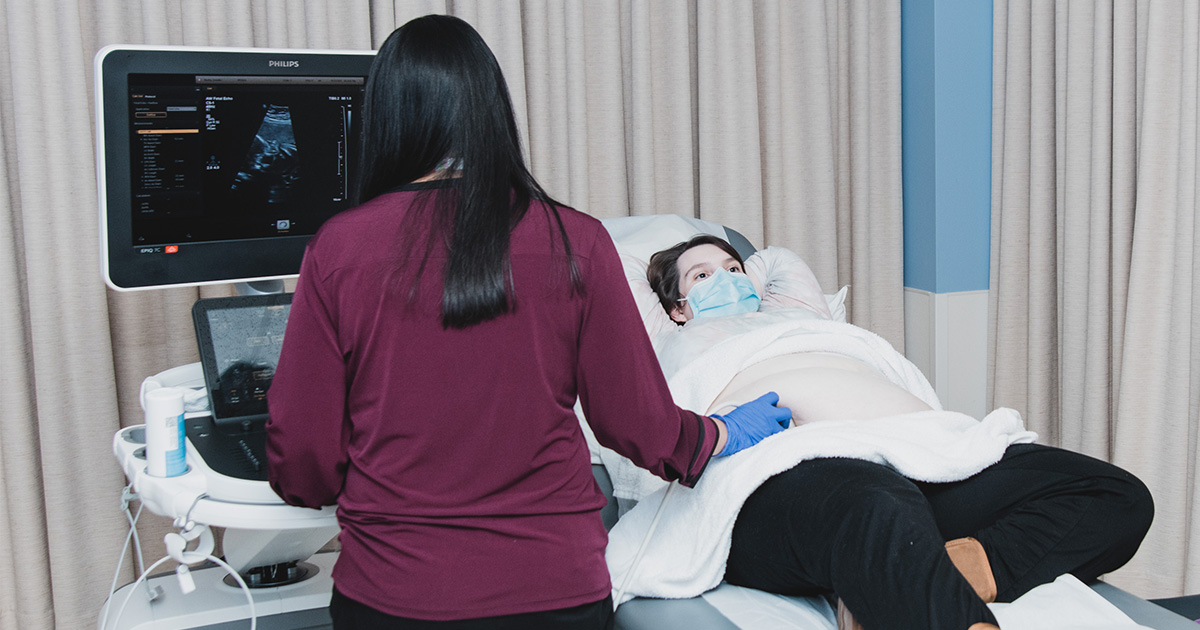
(723, 293)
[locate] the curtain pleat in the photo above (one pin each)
(555, 83)
(22, 530)
(788, 34)
(1096, 332)
(1023, 294)
(1084, 127)
(730, 166)
(870, 229)
(64, 352)
(780, 119)
(23, 549)
(1158, 411)
(660, 108)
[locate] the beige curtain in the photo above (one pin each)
(1094, 308)
(777, 118)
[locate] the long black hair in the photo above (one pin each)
(435, 95)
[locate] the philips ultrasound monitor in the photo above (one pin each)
(219, 164)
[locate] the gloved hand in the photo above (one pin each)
(748, 424)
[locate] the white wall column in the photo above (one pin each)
(945, 335)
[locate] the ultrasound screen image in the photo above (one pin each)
(218, 158)
(272, 167)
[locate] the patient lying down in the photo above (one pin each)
(814, 385)
(843, 523)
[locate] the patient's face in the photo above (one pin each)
(695, 265)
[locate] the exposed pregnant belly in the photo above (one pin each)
(819, 386)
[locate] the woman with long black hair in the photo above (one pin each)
(439, 336)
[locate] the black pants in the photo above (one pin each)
(348, 614)
(876, 539)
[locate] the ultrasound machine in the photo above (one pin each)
(215, 166)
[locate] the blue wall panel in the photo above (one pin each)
(918, 138)
(946, 58)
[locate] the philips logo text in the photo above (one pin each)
(283, 64)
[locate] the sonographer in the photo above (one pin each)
(439, 336)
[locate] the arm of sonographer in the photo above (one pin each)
(308, 431)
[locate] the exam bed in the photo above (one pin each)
(730, 607)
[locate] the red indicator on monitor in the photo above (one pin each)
(171, 249)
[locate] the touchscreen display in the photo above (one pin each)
(245, 344)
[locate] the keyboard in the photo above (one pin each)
(238, 451)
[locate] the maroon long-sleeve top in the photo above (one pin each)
(461, 475)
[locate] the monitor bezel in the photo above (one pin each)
(244, 261)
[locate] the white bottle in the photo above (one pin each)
(166, 448)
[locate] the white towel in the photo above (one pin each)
(687, 553)
(1064, 604)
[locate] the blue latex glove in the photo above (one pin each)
(748, 424)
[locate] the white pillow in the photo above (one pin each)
(638, 238)
(641, 237)
(837, 303)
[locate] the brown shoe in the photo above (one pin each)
(845, 620)
(971, 561)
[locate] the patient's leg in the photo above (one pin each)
(860, 530)
(1041, 512)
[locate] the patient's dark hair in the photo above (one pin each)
(663, 274)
